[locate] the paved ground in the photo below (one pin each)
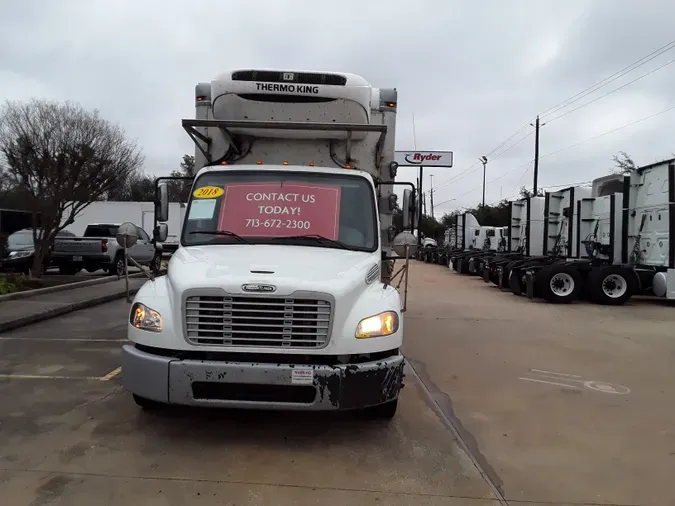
(70, 436)
(38, 306)
(557, 405)
(565, 404)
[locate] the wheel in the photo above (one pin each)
(559, 283)
(611, 285)
(68, 270)
(384, 411)
(146, 403)
(117, 269)
(156, 264)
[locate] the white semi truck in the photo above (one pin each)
(279, 295)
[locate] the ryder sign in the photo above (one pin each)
(278, 210)
(424, 158)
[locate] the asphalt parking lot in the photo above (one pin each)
(70, 436)
(521, 401)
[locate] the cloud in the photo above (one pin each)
(472, 73)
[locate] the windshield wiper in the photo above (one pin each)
(317, 238)
(221, 232)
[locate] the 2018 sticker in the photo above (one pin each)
(208, 192)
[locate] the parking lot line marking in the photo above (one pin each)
(551, 383)
(43, 376)
(573, 380)
(556, 373)
(61, 339)
(111, 374)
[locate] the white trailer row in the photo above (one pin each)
(605, 243)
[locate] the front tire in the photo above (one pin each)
(117, 269)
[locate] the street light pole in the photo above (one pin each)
(483, 160)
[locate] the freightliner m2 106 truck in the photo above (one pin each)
(279, 295)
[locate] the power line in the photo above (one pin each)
(610, 92)
(609, 132)
(477, 165)
(620, 73)
(574, 98)
(558, 151)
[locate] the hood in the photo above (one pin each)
(289, 268)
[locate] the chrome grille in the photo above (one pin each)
(257, 321)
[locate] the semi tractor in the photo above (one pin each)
(280, 293)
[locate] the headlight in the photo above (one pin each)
(383, 324)
(144, 318)
(20, 254)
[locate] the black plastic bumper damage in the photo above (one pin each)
(354, 386)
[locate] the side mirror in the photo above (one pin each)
(408, 209)
(161, 232)
(162, 203)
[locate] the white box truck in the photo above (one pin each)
(279, 295)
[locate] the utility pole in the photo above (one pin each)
(536, 154)
(421, 206)
(483, 160)
(431, 193)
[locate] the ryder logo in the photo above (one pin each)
(420, 158)
(424, 158)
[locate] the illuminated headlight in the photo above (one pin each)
(144, 318)
(21, 254)
(383, 324)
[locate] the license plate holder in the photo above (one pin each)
(77, 259)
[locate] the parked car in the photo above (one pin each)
(98, 249)
(20, 251)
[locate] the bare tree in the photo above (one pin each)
(623, 163)
(62, 157)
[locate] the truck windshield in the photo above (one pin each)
(298, 208)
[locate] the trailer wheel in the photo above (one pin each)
(559, 283)
(611, 285)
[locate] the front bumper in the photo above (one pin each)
(261, 385)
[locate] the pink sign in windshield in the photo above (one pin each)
(276, 209)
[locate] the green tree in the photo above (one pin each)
(179, 191)
(59, 158)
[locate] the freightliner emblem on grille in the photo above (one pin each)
(255, 287)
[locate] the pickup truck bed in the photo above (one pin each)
(98, 249)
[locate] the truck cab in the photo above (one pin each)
(279, 294)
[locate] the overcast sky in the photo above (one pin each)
(472, 73)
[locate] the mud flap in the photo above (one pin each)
(529, 277)
(486, 272)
